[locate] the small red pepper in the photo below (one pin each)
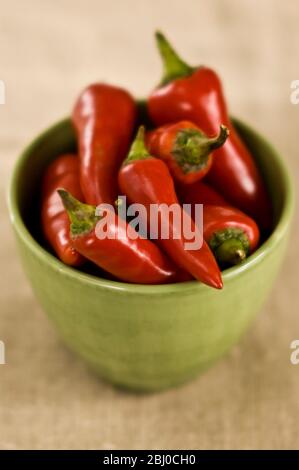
(196, 94)
(200, 193)
(146, 180)
(104, 118)
(231, 234)
(119, 253)
(64, 171)
(186, 150)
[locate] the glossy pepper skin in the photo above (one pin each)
(186, 150)
(126, 257)
(231, 234)
(146, 180)
(104, 118)
(200, 193)
(64, 171)
(196, 94)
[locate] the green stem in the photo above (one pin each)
(174, 66)
(215, 142)
(230, 252)
(192, 148)
(230, 245)
(82, 216)
(138, 150)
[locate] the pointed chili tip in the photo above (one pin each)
(217, 282)
(213, 279)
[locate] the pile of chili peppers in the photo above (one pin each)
(190, 154)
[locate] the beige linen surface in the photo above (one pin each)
(48, 52)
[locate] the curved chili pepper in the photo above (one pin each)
(196, 94)
(104, 118)
(120, 252)
(200, 193)
(146, 180)
(186, 150)
(231, 234)
(64, 171)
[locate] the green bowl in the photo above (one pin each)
(136, 336)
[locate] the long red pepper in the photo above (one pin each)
(120, 252)
(196, 94)
(231, 234)
(186, 150)
(104, 118)
(146, 180)
(64, 171)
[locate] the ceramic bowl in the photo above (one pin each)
(137, 336)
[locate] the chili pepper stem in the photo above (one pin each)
(118, 203)
(174, 66)
(82, 216)
(230, 252)
(138, 150)
(192, 147)
(216, 142)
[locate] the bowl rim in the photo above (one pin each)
(175, 288)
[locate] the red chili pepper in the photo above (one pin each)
(64, 171)
(196, 94)
(146, 180)
(186, 150)
(200, 193)
(120, 252)
(230, 233)
(104, 118)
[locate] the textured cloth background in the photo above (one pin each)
(48, 52)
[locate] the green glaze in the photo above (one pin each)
(146, 337)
